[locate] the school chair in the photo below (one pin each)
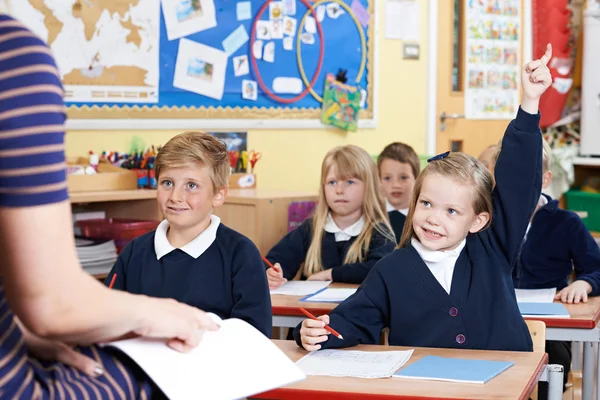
(553, 373)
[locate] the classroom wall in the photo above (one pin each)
(291, 159)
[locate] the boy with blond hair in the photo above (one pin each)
(192, 257)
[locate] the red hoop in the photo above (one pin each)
(255, 66)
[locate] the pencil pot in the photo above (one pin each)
(122, 231)
(142, 178)
(152, 183)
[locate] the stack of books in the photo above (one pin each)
(97, 256)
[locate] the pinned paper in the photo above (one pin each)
(363, 98)
(321, 12)
(200, 69)
(269, 52)
(562, 65)
(263, 30)
(289, 26)
(235, 40)
(308, 38)
(244, 10)
(276, 10)
(249, 90)
(562, 85)
(289, 7)
(257, 49)
(285, 85)
(334, 11)
(240, 65)
(341, 104)
(182, 18)
(360, 12)
(288, 43)
(276, 30)
(310, 25)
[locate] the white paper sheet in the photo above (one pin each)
(332, 295)
(354, 363)
(240, 65)
(182, 19)
(300, 288)
(237, 353)
(269, 52)
(288, 43)
(200, 69)
(535, 295)
(403, 20)
(287, 85)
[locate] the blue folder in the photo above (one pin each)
(555, 310)
(453, 369)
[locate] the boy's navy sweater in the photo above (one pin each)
(556, 242)
(481, 310)
(397, 220)
(228, 279)
(291, 252)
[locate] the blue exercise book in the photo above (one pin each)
(453, 369)
(553, 310)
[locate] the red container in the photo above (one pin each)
(122, 231)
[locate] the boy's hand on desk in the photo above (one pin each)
(574, 293)
(313, 332)
(321, 276)
(275, 276)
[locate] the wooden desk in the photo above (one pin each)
(286, 309)
(583, 316)
(259, 214)
(517, 382)
(580, 327)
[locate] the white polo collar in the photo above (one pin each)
(342, 235)
(195, 248)
(389, 207)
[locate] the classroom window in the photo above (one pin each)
(457, 47)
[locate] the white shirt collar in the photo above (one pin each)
(389, 207)
(541, 203)
(440, 263)
(342, 235)
(195, 248)
(433, 256)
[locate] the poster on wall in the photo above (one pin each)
(492, 64)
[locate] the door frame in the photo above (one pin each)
(432, 61)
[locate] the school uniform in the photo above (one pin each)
(397, 219)
(473, 306)
(557, 243)
(220, 271)
(291, 251)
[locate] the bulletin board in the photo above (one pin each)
(343, 39)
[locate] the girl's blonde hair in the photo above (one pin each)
(463, 169)
(351, 162)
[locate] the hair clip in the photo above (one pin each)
(439, 157)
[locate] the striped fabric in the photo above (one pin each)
(32, 172)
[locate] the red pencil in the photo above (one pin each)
(327, 327)
(269, 263)
(112, 281)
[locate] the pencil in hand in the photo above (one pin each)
(270, 264)
(327, 327)
(112, 281)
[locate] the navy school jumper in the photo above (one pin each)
(557, 242)
(291, 252)
(228, 279)
(481, 310)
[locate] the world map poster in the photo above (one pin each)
(106, 50)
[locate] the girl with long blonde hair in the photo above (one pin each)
(348, 232)
(449, 284)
